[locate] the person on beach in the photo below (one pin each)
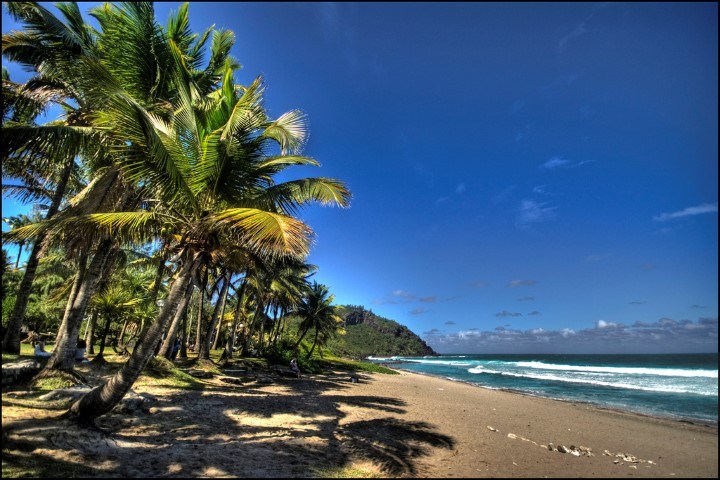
(294, 367)
(80, 350)
(40, 350)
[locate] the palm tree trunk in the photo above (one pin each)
(222, 316)
(63, 356)
(309, 354)
(204, 351)
(238, 308)
(99, 357)
(166, 348)
(90, 335)
(121, 335)
(11, 342)
(301, 338)
(198, 334)
(262, 329)
(183, 333)
(103, 398)
(158, 276)
(17, 260)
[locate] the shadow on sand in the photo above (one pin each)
(249, 430)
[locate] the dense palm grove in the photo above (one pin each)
(157, 211)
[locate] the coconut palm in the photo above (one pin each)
(209, 162)
(317, 312)
(131, 48)
(112, 304)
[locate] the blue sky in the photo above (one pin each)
(526, 177)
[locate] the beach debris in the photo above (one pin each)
(622, 458)
(550, 447)
(563, 449)
(492, 429)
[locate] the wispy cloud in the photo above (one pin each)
(460, 189)
(531, 211)
(557, 162)
(579, 29)
(637, 302)
(418, 311)
(402, 296)
(521, 283)
(450, 323)
(685, 212)
(505, 314)
(526, 299)
(479, 284)
(534, 312)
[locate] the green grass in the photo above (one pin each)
(162, 372)
(356, 365)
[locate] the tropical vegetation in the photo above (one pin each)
(160, 210)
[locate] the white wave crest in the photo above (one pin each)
(663, 372)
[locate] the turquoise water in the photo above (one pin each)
(683, 387)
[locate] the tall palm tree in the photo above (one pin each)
(209, 162)
(133, 49)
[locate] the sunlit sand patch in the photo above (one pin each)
(214, 472)
(284, 420)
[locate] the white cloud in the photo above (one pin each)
(604, 324)
(697, 210)
(521, 283)
(531, 211)
(663, 336)
(460, 189)
(555, 162)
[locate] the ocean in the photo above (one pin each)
(681, 387)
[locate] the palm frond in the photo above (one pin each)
(266, 232)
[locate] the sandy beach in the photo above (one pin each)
(404, 425)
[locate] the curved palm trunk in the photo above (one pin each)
(206, 344)
(11, 342)
(103, 398)
(63, 356)
(302, 336)
(317, 333)
(166, 348)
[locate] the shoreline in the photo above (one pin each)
(325, 425)
(683, 420)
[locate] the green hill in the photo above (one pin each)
(370, 334)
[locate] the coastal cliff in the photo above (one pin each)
(370, 334)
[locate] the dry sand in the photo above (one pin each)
(404, 425)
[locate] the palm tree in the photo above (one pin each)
(16, 222)
(131, 48)
(208, 161)
(317, 312)
(113, 303)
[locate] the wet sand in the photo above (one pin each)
(405, 425)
